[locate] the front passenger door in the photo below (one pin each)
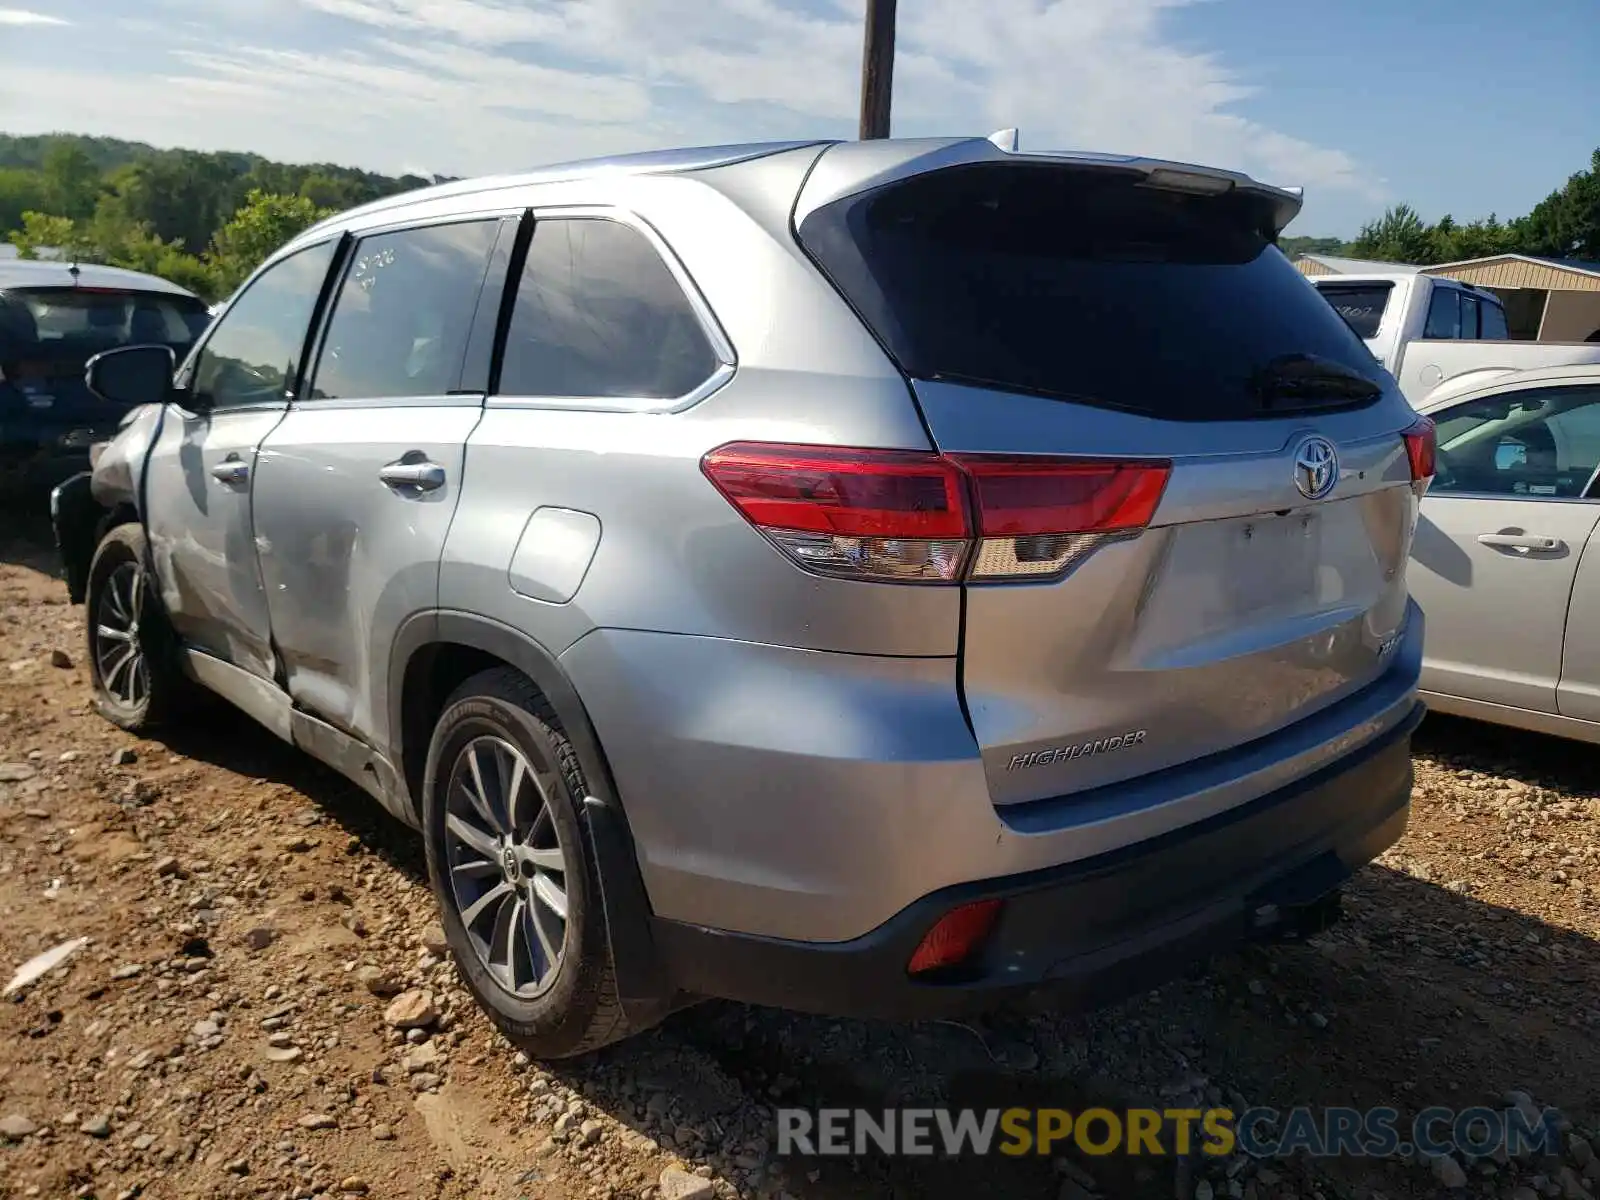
(197, 504)
(357, 487)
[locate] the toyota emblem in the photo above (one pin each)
(1316, 467)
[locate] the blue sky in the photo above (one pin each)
(1461, 106)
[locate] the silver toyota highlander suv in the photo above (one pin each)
(867, 578)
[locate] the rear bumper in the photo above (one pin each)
(805, 796)
(1094, 930)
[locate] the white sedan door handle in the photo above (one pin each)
(1520, 541)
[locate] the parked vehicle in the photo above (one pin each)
(871, 578)
(1506, 562)
(54, 316)
(1427, 331)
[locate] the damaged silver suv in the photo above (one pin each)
(870, 578)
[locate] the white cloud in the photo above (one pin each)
(1086, 73)
(21, 16)
(491, 85)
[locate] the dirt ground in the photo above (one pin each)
(249, 917)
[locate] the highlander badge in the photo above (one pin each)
(1057, 754)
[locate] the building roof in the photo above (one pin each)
(1329, 264)
(36, 273)
(1523, 271)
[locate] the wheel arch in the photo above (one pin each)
(81, 521)
(432, 654)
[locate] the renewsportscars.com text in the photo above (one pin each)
(1258, 1132)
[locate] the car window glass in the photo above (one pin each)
(1088, 286)
(599, 314)
(254, 352)
(1361, 305)
(1532, 444)
(1469, 317)
(401, 318)
(1494, 322)
(92, 320)
(1577, 432)
(1444, 314)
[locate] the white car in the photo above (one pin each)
(1506, 558)
(1429, 332)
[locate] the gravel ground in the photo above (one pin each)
(263, 1007)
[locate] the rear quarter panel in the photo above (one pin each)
(674, 556)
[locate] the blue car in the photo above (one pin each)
(54, 317)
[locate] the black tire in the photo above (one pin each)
(158, 684)
(576, 1010)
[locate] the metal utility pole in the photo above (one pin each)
(877, 69)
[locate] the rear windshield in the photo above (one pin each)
(1085, 285)
(78, 322)
(1360, 304)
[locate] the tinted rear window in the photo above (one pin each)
(1085, 285)
(79, 322)
(1360, 304)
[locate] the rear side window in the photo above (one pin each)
(598, 314)
(1360, 304)
(400, 322)
(1494, 322)
(1087, 285)
(1444, 314)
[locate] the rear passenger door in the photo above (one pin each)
(356, 489)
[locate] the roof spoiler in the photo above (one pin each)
(850, 168)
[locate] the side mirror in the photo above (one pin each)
(132, 375)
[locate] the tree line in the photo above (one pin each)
(202, 220)
(206, 220)
(1565, 224)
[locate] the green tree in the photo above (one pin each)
(52, 235)
(20, 191)
(71, 180)
(1400, 235)
(1566, 223)
(1294, 247)
(263, 223)
(1476, 239)
(181, 195)
(327, 191)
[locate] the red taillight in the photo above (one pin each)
(954, 937)
(1022, 497)
(858, 493)
(1422, 442)
(914, 517)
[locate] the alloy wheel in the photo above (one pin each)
(507, 864)
(118, 652)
